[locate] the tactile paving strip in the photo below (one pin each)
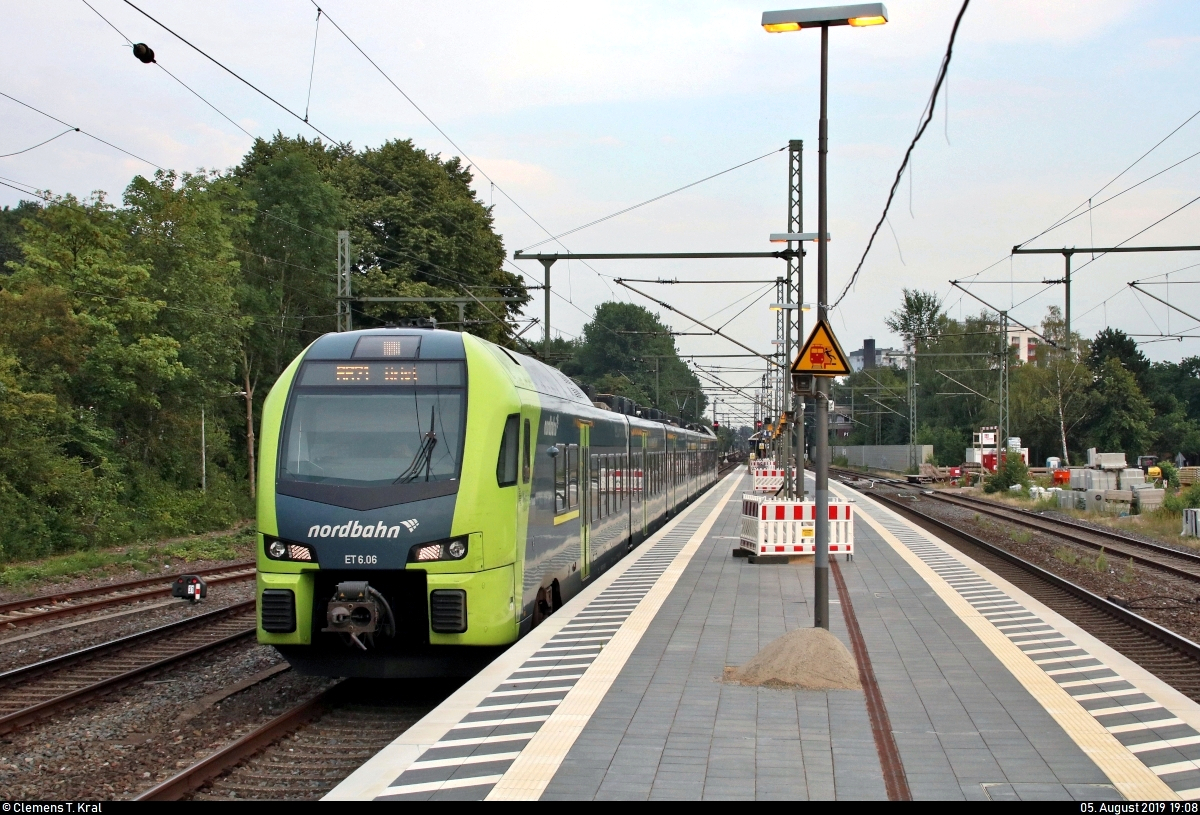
(472, 757)
(1169, 747)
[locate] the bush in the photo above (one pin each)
(1170, 475)
(948, 444)
(1011, 470)
(1184, 499)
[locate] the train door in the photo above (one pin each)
(672, 473)
(639, 480)
(585, 498)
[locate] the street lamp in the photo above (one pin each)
(774, 22)
(858, 15)
(785, 237)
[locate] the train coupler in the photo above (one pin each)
(357, 608)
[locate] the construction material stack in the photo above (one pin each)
(1108, 484)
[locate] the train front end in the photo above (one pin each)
(384, 549)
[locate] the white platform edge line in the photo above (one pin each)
(372, 779)
(1125, 769)
(529, 775)
(1158, 690)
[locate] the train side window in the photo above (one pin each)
(601, 472)
(526, 457)
(608, 486)
(598, 477)
(506, 462)
(597, 493)
(560, 481)
(614, 481)
(572, 458)
(624, 481)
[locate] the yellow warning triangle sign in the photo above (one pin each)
(821, 354)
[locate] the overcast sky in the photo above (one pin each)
(578, 110)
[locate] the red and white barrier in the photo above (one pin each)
(769, 480)
(782, 527)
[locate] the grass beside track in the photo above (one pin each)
(1161, 524)
(231, 544)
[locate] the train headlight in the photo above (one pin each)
(431, 552)
(285, 550)
(453, 549)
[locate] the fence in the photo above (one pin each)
(770, 480)
(894, 457)
(774, 527)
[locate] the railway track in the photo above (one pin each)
(16, 613)
(1171, 657)
(306, 751)
(37, 690)
(1157, 556)
(1164, 558)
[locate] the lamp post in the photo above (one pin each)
(775, 22)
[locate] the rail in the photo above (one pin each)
(22, 701)
(111, 595)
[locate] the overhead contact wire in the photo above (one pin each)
(39, 144)
(929, 110)
(231, 72)
(652, 200)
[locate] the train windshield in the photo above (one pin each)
(373, 431)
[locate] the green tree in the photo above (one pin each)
(920, 317)
(878, 400)
(421, 232)
(416, 229)
(1181, 380)
(10, 231)
(1113, 343)
(1049, 398)
(119, 325)
(1120, 416)
(101, 375)
(625, 343)
(1174, 390)
(949, 443)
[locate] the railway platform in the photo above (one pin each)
(986, 693)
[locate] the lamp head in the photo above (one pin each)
(858, 15)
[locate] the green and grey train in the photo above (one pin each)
(426, 498)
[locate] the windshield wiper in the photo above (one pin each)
(423, 460)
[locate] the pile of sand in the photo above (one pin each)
(809, 658)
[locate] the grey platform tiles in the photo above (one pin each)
(1164, 743)
(670, 729)
(468, 761)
